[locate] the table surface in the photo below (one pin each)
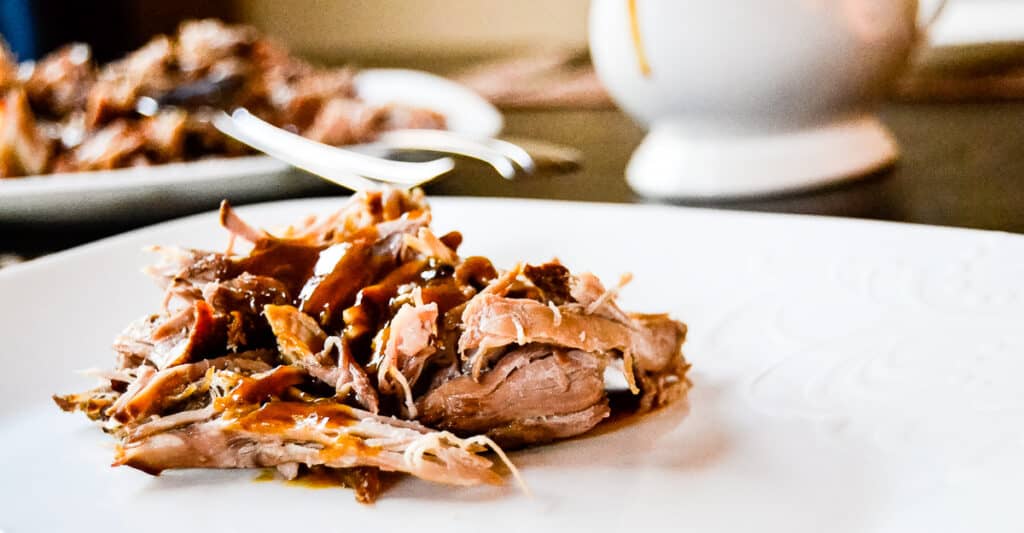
(962, 166)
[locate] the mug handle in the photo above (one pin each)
(928, 13)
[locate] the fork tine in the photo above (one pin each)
(516, 153)
(348, 180)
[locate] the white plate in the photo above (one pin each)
(849, 376)
(161, 191)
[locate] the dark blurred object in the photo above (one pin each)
(111, 27)
(17, 27)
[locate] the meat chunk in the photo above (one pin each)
(189, 335)
(408, 347)
(365, 481)
(303, 101)
(246, 293)
(429, 245)
(552, 279)
(299, 338)
(113, 146)
(185, 272)
(94, 404)
(346, 121)
(301, 342)
(135, 344)
(493, 321)
(119, 85)
(23, 150)
(361, 342)
(59, 83)
(277, 433)
(588, 291)
(340, 272)
(343, 269)
(534, 394)
(647, 343)
(664, 338)
(164, 135)
(204, 43)
(153, 392)
(397, 117)
(8, 68)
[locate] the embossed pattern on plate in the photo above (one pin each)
(850, 376)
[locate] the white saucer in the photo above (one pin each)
(674, 162)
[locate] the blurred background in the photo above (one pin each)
(958, 113)
(333, 31)
(453, 36)
(386, 30)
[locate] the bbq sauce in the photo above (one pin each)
(253, 404)
(372, 303)
(367, 482)
(291, 263)
(255, 391)
(319, 478)
(276, 417)
(452, 239)
(312, 478)
(476, 271)
(266, 474)
(445, 292)
(552, 279)
(340, 271)
(439, 283)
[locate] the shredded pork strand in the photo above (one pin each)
(237, 227)
(609, 294)
(555, 313)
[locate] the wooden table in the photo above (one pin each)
(963, 165)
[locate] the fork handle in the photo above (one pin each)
(305, 153)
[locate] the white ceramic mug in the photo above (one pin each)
(752, 97)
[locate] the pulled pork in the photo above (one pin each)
(362, 341)
(65, 114)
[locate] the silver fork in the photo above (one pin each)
(369, 166)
